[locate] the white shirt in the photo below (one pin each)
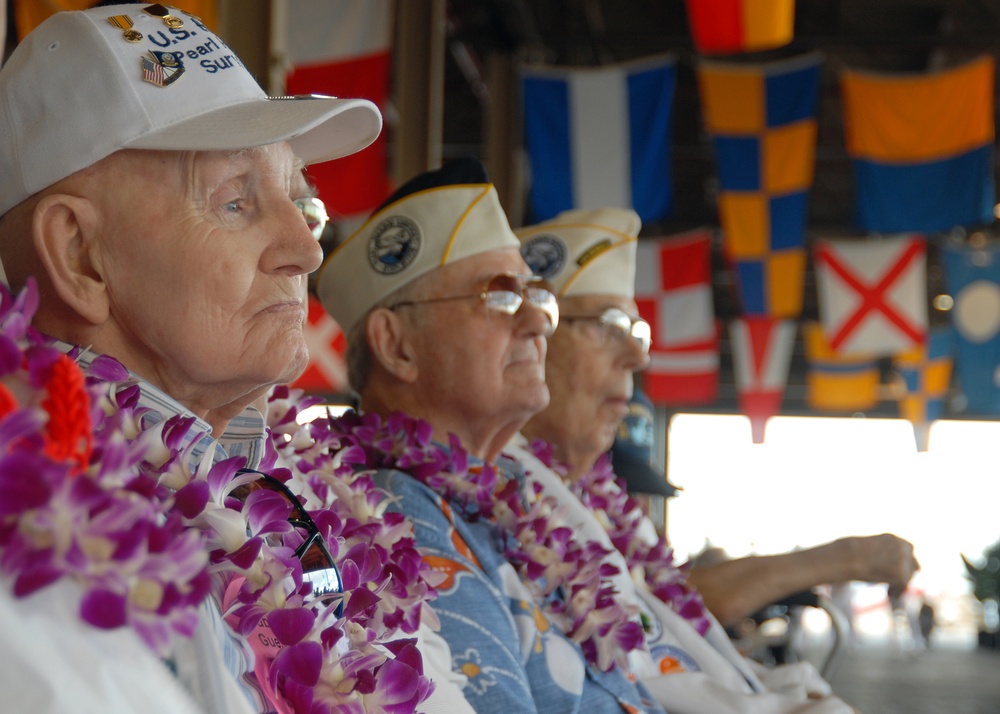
(711, 677)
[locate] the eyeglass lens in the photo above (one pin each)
(506, 293)
(314, 211)
(625, 326)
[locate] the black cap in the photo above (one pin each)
(464, 170)
(632, 452)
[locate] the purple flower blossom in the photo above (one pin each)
(603, 495)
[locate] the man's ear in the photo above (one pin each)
(390, 344)
(63, 229)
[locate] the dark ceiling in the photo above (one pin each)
(878, 35)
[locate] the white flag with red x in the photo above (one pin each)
(872, 294)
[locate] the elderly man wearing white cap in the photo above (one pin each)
(689, 664)
(446, 348)
(146, 189)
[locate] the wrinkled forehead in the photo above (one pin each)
(595, 303)
(133, 164)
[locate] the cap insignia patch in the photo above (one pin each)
(394, 245)
(545, 255)
(593, 251)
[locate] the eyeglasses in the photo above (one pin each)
(318, 566)
(617, 325)
(315, 214)
(505, 294)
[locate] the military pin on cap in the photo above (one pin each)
(158, 10)
(124, 23)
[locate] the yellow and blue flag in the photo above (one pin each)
(922, 147)
(762, 119)
(925, 374)
(836, 382)
(600, 136)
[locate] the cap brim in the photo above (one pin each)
(318, 128)
(639, 476)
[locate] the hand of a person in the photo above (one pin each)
(884, 558)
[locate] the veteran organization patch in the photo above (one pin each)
(545, 255)
(394, 244)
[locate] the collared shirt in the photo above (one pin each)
(245, 435)
(513, 658)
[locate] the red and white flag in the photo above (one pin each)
(343, 48)
(673, 290)
(873, 294)
(327, 371)
(762, 353)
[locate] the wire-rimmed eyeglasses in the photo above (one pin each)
(318, 566)
(505, 294)
(617, 325)
(314, 211)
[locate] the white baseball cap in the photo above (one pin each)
(83, 85)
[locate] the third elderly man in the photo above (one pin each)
(589, 259)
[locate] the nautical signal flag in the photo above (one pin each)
(922, 147)
(762, 353)
(343, 48)
(673, 289)
(326, 372)
(728, 26)
(762, 119)
(835, 382)
(872, 294)
(972, 275)
(600, 136)
(925, 375)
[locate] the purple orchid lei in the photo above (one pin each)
(117, 507)
(621, 516)
(98, 518)
(569, 578)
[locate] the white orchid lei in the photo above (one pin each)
(90, 494)
(621, 516)
(569, 578)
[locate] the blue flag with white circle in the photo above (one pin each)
(973, 279)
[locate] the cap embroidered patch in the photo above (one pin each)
(545, 255)
(593, 251)
(394, 244)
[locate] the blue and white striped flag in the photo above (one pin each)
(600, 137)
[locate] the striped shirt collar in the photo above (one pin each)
(244, 436)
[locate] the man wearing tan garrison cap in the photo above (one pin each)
(446, 324)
